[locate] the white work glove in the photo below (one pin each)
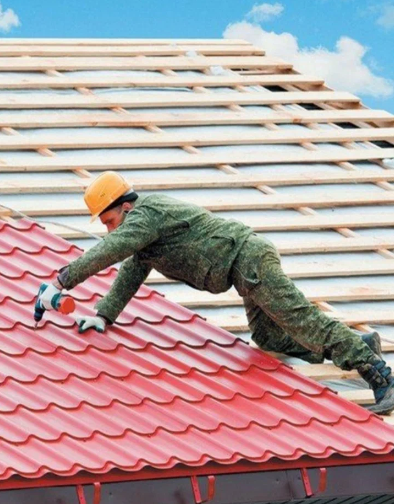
(97, 323)
(46, 297)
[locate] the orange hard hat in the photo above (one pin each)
(104, 190)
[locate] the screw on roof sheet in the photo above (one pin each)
(389, 162)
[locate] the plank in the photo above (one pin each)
(203, 138)
(90, 119)
(35, 63)
(238, 323)
(362, 396)
(340, 292)
(325, 246)
(216, 181)
(64, 82)
(198, 160)
(278, 201)
(129, 50)
(116, 41)
(269, 201)
(318, 270)
(173, 99)
(327, 372)
(389, 419)
(353, 244)
(296, 223)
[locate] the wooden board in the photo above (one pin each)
(310, 246)
(94, 119)
(354, 244)
(238, 323)
(173, 99)
(44, 81)
(362, 396)
(322, 269)
(199, 160)
(340, 292)
(203, 138)
(116, 41)
(326, 372)
(130, 50)
(296, 223)
(267, 202)
(210, 181)
(34, 63)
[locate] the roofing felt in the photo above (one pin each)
(160, 389)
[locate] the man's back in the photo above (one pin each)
(193, 245)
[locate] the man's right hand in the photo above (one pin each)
(97, 323)
(47, 297)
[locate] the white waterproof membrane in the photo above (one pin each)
(314, 253)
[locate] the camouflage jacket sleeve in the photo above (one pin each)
(140, 228)
(131, 275)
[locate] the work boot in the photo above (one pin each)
(372, 339)
(378, 376)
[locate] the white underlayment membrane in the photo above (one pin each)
(203, 196)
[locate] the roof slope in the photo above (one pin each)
(220, 123)
(161, 388)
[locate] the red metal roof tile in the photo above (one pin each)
(31, 239)
(25, 292)
(161, 388)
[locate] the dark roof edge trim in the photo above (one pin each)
(182, 471)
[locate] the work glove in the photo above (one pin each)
(47, 296)
(97, 323)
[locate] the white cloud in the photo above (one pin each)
(386, 18)
(265, 12)
(342, 68)
(8, 19)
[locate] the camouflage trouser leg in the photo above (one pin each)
(258, 277)
(272, 338)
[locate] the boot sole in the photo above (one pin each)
(385, 405)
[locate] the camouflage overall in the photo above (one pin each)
(186, 242)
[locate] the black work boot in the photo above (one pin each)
(372, 339)
(378, 375)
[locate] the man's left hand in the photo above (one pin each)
(97, 323)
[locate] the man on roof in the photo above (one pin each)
(188, 243)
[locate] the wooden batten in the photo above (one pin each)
(35, 63)
(198, 160)
(134, 119)
(174, 99)
(209, 138)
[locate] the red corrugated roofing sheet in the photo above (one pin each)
(161, 388)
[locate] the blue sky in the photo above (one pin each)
(349, 42)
